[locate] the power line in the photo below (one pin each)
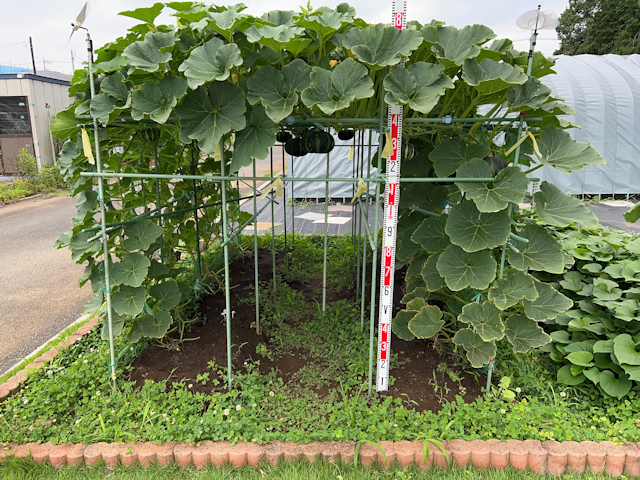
(12, 44)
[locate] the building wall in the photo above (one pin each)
(39, 94)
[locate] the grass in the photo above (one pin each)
(20, 469)
(60, 338)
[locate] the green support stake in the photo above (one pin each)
(364, 240)
(255, 248)
(156, 168)
(326, 218)
(357, 225)
(103, 221)
(284, 208)
(227, 287)
(273, 231)
(195, 213)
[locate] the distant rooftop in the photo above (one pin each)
(10, 69)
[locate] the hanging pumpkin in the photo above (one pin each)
(283, 136)
(496, 163)
(149, 135)
(346, 134)
(318, 141)
(408, 151)
(295, 147)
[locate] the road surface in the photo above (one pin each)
(39, 295)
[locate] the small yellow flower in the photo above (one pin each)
(333, 63)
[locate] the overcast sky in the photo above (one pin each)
(48, 22)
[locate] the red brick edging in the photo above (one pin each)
(12, 386)
(540, 457)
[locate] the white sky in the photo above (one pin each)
(48, 22)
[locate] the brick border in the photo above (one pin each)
(550, 457)
(12, 386)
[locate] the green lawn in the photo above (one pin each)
(25, 469)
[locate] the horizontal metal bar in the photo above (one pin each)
(426, 212)
(312, 120)
(219, 178)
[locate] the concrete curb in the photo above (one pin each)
(12, 386)
(551, 457)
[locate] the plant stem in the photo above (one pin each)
(533, 169)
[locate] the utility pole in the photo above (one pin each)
(33, 60)
(73, 65)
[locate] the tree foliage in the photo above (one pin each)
(600, 27)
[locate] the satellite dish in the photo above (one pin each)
(538, 20)
(82, 16)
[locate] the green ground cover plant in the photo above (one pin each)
(71, 399)
(24, 469)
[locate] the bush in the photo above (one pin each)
(51, 179)
(597, 340)
(28, 168)
(12, 192)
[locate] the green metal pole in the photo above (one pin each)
(227, 287)
(195, 204)
(357, 225)
(364, 243)
(255, 248)
(273, 231)
(326, 232)
(156, 168)
(284, 208)
(103, 221)
(293, 207)
(374, 262)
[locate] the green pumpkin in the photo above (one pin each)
(295, 147)
(346, 134)
(408, 151)
(283, 136)
(149, 135)
(318, 141)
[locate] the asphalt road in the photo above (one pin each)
(39, 295)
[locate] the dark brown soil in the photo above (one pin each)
(418, 361)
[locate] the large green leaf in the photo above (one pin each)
(140, 235)
(129, 300)
(485, 319)
(227, 21)
(132, 271)
(400, 324)
(166, 293)
(149, 53)
(65, 124)
(524, 334)
(278, 38)
(474, 231)
(427, 322)
(462, 269)
(557, 208)
(324, 23)
(616, 387)
(542, 252)
(479, 352)
(633, 214)
(506, 292)
(549, 304)
(116, 63)
(157, 100)
(430, 274)
(70, 151)
(604, 289)
(489, 76)
(625, 349)
(531, 94)
(510, 186)
(581, 358)
(453, 45)
(276, 89)
(80, 246)
(565, 376)
(431, 235)
(255, 140)
(336, 89)
(379, 46)
(419, 86)
(147, 14)
(213, 60)
(207, 113)
(116, 86)
(559, 150)
(117, 324)
(94, 304)
(102, 106)
(156, 326)
(452, 153)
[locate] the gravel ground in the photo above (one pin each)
(39, 295)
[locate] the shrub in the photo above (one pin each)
(28, 168)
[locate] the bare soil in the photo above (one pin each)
(420, 374)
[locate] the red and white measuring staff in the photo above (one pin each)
(390, 227)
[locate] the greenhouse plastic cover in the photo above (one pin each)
(315, 165)
(605, 93)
